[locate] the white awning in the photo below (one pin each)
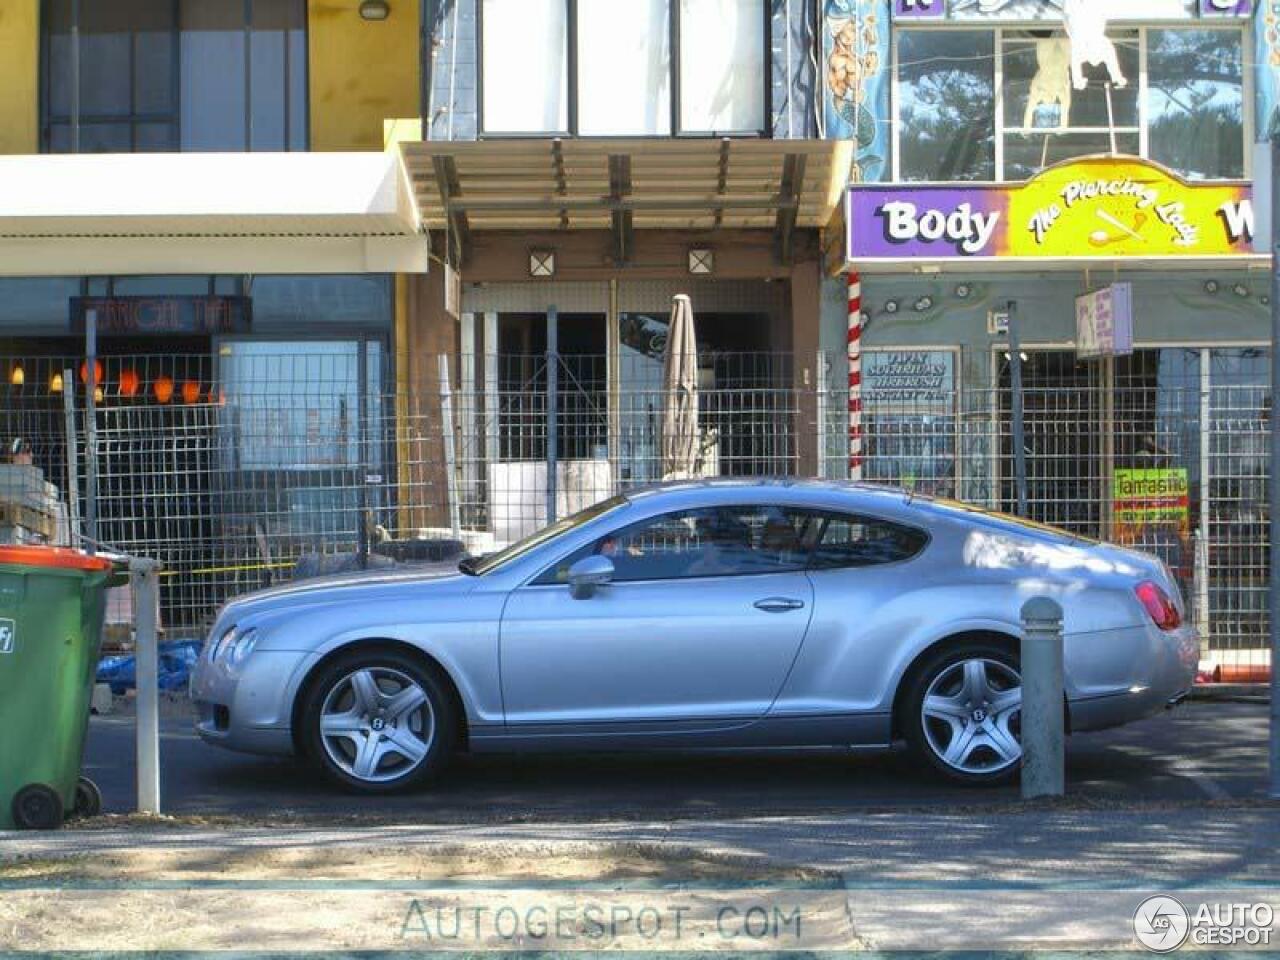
(208, 213)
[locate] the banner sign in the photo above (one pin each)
(1143, 498)
(1129, 11)
(1104, 322)
(912, 381)
(161, 316)
(1090, 208)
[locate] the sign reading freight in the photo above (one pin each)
(909, 381)
(1104, 322)
(177, 315)
(1090, 208)
(1142, 498)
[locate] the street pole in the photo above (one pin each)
(1273, 480)
(1019, 428)
(553, 408)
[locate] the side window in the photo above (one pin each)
(707, 542)
(849, 541)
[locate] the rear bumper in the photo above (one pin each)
(1162, 679)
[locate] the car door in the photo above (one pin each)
(705, 616)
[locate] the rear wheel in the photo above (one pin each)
(378, 721)
(963, 714)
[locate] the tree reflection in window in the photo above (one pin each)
(946, 84)
(1195, 101)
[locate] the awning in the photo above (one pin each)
(627, 184)
(208, 213)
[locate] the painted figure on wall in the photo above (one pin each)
(856, 53)
(1051, 85)
(1086, 23)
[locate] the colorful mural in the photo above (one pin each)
(1266, 46)
(1110, 207)
(856, 54)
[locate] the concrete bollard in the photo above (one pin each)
(1042, 713)
(143, 577)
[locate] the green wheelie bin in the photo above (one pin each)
(52, 602)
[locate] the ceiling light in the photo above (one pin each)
(542, 263)
(375, 9)
(17, 376)
(701, 260)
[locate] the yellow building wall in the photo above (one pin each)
(19, 76)
(361, 72)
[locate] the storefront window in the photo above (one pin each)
(722, 70)
(188, 75)
(1192, 112)
(1195, 101)
(946, 87)
(307, 302)
(36, 304)
(628, 43)
(617, 76)
(525, 66)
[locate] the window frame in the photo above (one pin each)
(75, 120)
(673, 84)
(809, 512)
(1000, 129)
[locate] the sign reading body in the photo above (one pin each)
(1104, 322)
(1095, 207)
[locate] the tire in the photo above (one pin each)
(970, 732)
(88, 799)
(37, 807)
(366, 740)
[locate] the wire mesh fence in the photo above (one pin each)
(255, 465)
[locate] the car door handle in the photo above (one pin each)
(778, 604)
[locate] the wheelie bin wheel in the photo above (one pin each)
(88, 799)
(37, 807)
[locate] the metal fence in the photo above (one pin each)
(238, 470)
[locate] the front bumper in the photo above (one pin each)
(249, 708)
(1162, 672)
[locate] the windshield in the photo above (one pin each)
(477, 566)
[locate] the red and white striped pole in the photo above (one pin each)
(855, 376)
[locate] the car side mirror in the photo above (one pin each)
(588, 574)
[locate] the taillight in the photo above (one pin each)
(1159, 606)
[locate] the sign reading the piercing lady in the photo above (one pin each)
(1094, 208)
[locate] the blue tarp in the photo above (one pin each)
(177, 657)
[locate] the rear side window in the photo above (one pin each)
(852, 541)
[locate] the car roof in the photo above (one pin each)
(784, 489)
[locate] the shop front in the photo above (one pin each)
(1139, 307)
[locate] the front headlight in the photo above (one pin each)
(241, 647)
(218, 645)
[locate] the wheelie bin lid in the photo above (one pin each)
(61, 558)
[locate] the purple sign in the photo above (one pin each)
(926, 222)
(1226, 8)
(923, 9)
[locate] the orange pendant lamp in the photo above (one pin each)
(163, 389)
(129, 383)
(190, 392)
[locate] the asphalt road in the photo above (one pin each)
(1199, 752)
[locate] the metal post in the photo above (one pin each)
(91, 430)
(553, 411)
(1202, 535)
(1019, 431)
(1273, 481)
(144, 582)
(362, 441)
(73, 454)
(824, 379)
(450, 451)
(1042, 689)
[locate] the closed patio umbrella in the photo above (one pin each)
(680, 439)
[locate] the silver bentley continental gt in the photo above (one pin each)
(699, 614)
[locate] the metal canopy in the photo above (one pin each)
(184, 213)
(624, 185)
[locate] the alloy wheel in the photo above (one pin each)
(377, 724)
(971, 715)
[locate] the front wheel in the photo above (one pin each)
(378, 721)
(964, 714)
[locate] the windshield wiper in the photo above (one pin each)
(467, 565)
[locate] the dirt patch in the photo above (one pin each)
(388, 862)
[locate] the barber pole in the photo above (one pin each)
(855, 376)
